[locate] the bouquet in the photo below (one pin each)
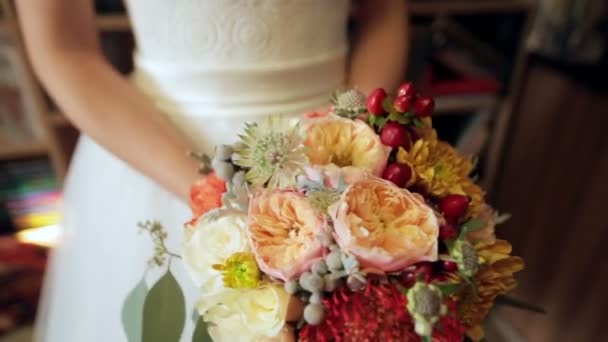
(355, 223)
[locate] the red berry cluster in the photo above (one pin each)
(406, 100)
(395, 134)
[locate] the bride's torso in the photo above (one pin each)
(229, 61)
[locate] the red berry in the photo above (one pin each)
(448, 232)
(408, 279)
(454, 206)
(402, 103)
(374, 102)
(423, 106)
(395, 135)
(450, 266)
(399, 174)
(406, 89)
(425, 271)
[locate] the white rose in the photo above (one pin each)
(210, 241)
(249, 315)
(264, 309)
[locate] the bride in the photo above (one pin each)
(203, 67)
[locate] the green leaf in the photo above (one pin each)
(449, 289)
(387, 104)
(418, 122)
(393, 116)
(471, 226)
(519, 304)
(404, 120)
(164, 311)
(201, 333)
(377, 121)
(426, 338)
(133, 311)
(382, 121)
(450, 245)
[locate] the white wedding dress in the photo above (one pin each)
(210, 65)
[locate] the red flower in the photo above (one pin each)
(449, 328)
(377, 313)
(206, 194)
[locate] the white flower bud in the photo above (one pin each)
(311, 282)
(314, 314)
(334, 260)
(319, 267)
(331, 282)
(291, 287)
(315, 298)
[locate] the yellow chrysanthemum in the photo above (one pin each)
(477, 196)
(494, 278)
(437, 166)
(240, 271)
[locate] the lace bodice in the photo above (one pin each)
(206, 55)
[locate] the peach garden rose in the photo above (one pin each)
(283, 229)
(344, 142)
(383, 226)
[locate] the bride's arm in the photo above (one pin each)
(380, 46)
(61, 39)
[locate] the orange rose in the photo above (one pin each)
(206, 194)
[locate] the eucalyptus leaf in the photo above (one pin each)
(164, 311)
(194, 315)
(201, 331)
(133, 311)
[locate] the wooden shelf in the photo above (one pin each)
(446, 105)
(446, 7)
(113, 22)
(25, 150)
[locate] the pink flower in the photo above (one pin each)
(283, 229)
(383, 226)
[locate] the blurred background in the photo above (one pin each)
(518, 83)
